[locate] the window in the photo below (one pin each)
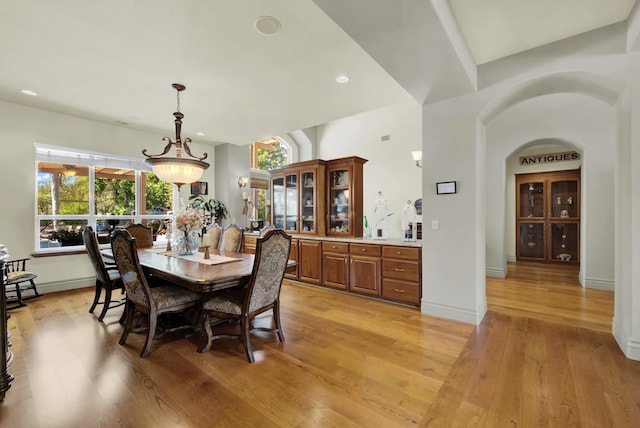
(265, 155)
(75, 189)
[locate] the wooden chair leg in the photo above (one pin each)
(123, 317)
(206, 325)
(276, 321)
(35, 290)
(96, 298)
(19, 296)
(245, 326)
(128, 323)
(105, 305)
(152, 323)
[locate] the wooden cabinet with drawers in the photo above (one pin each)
(335, 264)
(401, 274)
(364, 269)
(310, 261)
(388, 272)
(249, 245)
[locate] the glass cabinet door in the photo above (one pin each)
(564, 242)
(531, 240)
(309, 202)
(564, 199)
(278, 202)
(291, 202)
(339, 198)
(531, 203)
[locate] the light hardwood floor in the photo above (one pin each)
(542, 357)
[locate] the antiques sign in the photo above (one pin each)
(549, 158)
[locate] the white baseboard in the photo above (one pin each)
(496, 272)
(454, 313)
(629, 346)
(51, 287)
(511, 259)
(599, 284)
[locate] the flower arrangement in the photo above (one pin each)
(189, 220)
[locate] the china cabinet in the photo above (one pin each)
(319, 197)
(298, 197)
(548, 217)
(344, 196)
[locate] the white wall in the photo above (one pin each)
(20, 127)
(390, 167)
(584, 98)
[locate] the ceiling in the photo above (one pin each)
(115, 61)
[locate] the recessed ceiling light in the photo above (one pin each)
(267, 25)
(342, 78)
(200, 134)
(29, 92)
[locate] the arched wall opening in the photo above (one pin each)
(615, 101)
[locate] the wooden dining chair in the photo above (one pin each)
(19, 280)
(107, 276)
(231, 239)
(142, 233)
(152, 302)
(216, 233)
(262, 294)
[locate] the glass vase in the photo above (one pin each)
(185, 244)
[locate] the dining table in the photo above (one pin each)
(223, 269)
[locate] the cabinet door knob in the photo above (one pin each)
(364, 250)
(334, 247)
(399, 252)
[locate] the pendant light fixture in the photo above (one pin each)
(178, 170)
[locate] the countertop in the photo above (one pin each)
(388, 241)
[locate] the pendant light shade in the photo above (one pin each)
(179, 169)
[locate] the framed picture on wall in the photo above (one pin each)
(199, 188)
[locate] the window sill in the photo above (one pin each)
(59, 252)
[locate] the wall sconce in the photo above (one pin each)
(417, 156)
(243, 181)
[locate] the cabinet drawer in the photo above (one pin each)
(401, 291)
(405, 253)
(397, 269)
(335, 247)
(250, 244)
(368, 250)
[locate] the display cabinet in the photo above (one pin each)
(548, 217)
(298, 197)
(344, 196)
(319, 197)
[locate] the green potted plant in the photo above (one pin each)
(214, 209)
